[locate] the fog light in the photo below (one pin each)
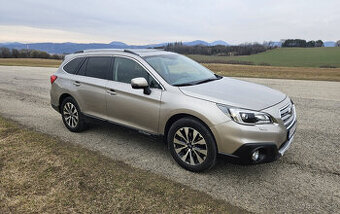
(255, 156)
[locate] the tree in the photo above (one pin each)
(5, 53)
(15, 53)
(311, 44)
(319, 43)
(295, 43)
(338, 43)
(244, 49)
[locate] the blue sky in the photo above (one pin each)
(153, 21)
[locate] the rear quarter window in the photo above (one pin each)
(72, 66)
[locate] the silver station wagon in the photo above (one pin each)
(200, 114)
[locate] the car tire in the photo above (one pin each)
(72, 117)
(192, 145)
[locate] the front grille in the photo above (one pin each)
(288, 114)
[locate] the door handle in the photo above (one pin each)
(76, 83)
(111, 92)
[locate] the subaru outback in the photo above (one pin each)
(199, 113)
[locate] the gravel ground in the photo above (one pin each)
(306, 179)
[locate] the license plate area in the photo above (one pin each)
(291, 131)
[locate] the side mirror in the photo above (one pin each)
(141, 83)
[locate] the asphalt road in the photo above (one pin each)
(306, 179)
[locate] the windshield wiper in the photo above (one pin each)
(183, 84)
(217, 77)
(206, 80)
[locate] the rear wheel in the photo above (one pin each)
(71, 115)
(192, 145)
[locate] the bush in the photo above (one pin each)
(264, 64)
(237, 62)
(328, 66)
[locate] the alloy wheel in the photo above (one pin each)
(71, 114)
(190, 146)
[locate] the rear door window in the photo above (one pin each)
(72, 66)
(96, 67)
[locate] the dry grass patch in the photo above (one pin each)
(327, 74)
(33, 62)
(41, 174)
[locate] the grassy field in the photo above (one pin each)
(272, 72)
(30, 62)
(286, 57)
(41, 174)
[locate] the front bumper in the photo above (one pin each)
(268, 152)
(272, 140)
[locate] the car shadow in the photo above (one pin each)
(157, 145)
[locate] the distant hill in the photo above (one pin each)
(329, 44)
(276, 44)
(68, 47)
(219, 42)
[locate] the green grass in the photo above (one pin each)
(276, 72)
(42, 174)
(287, 57)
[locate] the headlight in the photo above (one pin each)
(246, 117)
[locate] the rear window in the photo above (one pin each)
(98, 67)
(72, 66)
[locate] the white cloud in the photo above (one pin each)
(31, 34)
(149, 21)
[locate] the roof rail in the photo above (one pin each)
(101, 50)
(131, 52)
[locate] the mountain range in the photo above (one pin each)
(68, 47)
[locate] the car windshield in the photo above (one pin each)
(179, 70)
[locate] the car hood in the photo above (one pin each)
(235, 93)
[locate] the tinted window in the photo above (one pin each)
(72, 66)
(97, 67)
(126, 69)
(82, 68)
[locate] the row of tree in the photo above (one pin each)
(244, 49)
(26, 53)
(289, 43)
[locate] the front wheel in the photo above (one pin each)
(192, 145)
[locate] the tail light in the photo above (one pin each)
(53, 78)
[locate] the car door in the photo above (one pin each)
(90, 85)
(128, 106)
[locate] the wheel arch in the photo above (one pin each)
(63, 97)
(179, 116)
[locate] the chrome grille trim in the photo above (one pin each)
(285, 146)
(288, 115)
